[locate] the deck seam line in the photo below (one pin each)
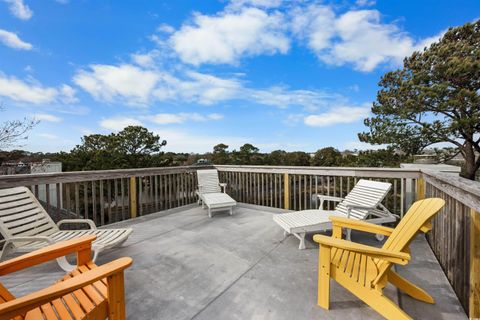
(236, 280)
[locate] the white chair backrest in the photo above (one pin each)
(21, 215)
(208, 181)
(365, 193)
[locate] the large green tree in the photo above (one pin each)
(133, 147)
(434, 98)
(327, 157)
(220, 154)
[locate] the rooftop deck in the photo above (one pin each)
(188, 266)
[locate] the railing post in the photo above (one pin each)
(286, 192)
(474, 294)
(133, 197)
(420, 188)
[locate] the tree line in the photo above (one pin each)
(136, 147)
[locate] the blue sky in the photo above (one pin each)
(292, 75)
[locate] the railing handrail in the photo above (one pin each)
(16, 180)
(330, 171)
(464, 190)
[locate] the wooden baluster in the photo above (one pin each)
(474, 294)
(77, 200)
(286, 192)
(67, 195)
(85, 199)
(109, 198)
(133, 197)
(59, 200)
(420, 188)
(122, 191)
(102, 204)
(94, 202)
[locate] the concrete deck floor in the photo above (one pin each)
(189, 266)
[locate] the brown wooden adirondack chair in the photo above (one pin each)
(88, 292)
(365, 270)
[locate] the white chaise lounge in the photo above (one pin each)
(26, 226)
(362, 203)
(211, 193)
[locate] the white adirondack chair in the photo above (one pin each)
(26, 226)
(211, 193)
(362, 203)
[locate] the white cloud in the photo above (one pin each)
(228, 36)
(19, 9)
(236, 4)
(12, 40)
(146, 60)
(339, 115)
(365, 3)
(283, 98)
(33, 92)
(175, 118)
(47, 117)
(187, 141)
(48, 136)
(137, 85)
(119, 123)
(357, 37)
(126, 82)
(165, 28)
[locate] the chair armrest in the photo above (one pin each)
(9, 243)
(374, 252)
(360, 207)
(322, 199)
(339, 222)
(90, 222)
(223, 186)
(48, 253)
(22, 305)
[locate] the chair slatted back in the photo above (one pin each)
(21, 215)
(365, 193)
(419, 215)
(208, 180)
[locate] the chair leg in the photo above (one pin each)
(373, 298)
(302, 241)
(209, 212)
(116, 297)
(409, 288)
(323, 298)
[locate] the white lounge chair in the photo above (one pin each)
(26, 226)
(362, 203)
(211, 193)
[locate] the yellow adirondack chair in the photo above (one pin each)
(88, 292)
(365, 270)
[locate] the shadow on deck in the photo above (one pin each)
(188, 266)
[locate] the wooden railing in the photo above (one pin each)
(109, 196)
(114, 195)
(455, 237)
(295, 188)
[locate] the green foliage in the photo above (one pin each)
(133, 147)
(297, 158)
(379, 158)
(220, 155)
(327, 157)
(434, 98)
